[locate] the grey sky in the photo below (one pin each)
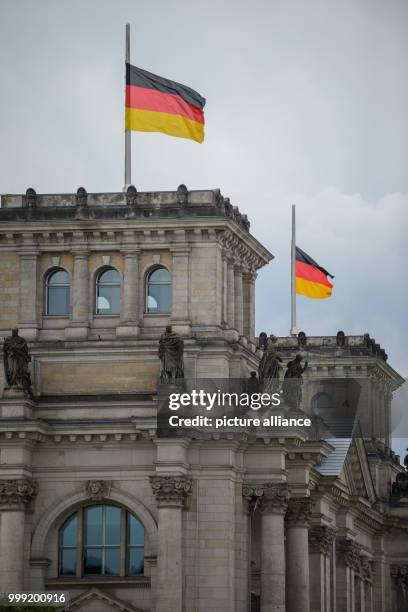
(306, 103)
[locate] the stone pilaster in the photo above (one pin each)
(28, 323)
(129, 319)
(230, 294)
(180, 308)
(320, 553)
(348, 564)
(78, 329)
(171, 493)
(272, 501)
(239, 301)
(297, 555)
(15, 496)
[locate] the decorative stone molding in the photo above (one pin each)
(366, 568)
(299, 511)
(98, 489)
(182, 194)
(17, 493)
(321, 539)
(131, 195)
(400, 574)
(349, 553)
(81, 196)
(30, 198)
(171, 490)
(269, 497)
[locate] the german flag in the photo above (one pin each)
(311, 279)
(155, 104)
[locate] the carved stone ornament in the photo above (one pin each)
(302, 339)
(81, 196)
(268, 498)
(98, 489)
(182, 194)
(321, 539)
(341, 339)
(17, 493)
(30, 198)
(171, 490)
(400, 574)
(131, 195)
(349, 553)
(299, 511)
(366, 568)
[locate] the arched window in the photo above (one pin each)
(101, 540)
(57, 293)
(321, 404)
(108, 292)
(158, 291)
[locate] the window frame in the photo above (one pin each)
(47, 286)
(97, 284)
(147, 284)
(81, 547)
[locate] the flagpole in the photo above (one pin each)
(293, 329)
(128, 149)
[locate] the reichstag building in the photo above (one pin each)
(98, 292)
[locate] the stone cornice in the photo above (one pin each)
(171, 491)
(16, 494)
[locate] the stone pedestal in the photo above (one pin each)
(297, 555)
(15, 404)
(170, 493)
(129, 320)
(15, 495)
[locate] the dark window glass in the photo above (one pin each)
(135, 546)
(68, 547)
(69, 532)
(102, 540)
(68, 562)
(158, 291)
(93, 561)
(57, 293)
(135, 561)
(112, 525)
(93, 526)
(135, 531)
(112, 561)
(108, 292)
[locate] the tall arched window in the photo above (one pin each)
(158, 291)
(108, 292)
(101, 540)
(57, 293)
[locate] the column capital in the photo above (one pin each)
(321, 539)
(299, 511)
(348, 552)
(16, 494)
(270, 498)
(171, 491)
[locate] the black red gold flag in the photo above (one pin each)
(311, 279)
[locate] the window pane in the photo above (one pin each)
(108, 300)
(109, 276)
(58, 301)
(159, 298)
(135, 531)
(161, 275)
(93, 561)
(112, 525)
(93, 525)
(69, 532)
(112, 561)
(68, 562)
(135, 562)
(60, 277)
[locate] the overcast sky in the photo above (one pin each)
(306, 104)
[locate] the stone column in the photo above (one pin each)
(272, 501)
(129, 319)
(297, 555)
(180, 307)
(28, 323)
(320, 550)
(239, 301)
(15, 496)
(224, 317)
(230, 294)
(348, 564)
(170, 493)
(78, 329)
(252, 307)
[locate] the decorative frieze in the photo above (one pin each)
(299, 511)
(98, 489)
(171, 490)
(17, 493)
(321, 539)
(268, 498)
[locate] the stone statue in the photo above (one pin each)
(171, 349)
(16, 360)
(292, 384)
(269, 366)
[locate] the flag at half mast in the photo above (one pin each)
(155, 104)
(311, 279)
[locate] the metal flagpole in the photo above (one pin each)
(128, 149)
(293, 329)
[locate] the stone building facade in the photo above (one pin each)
(94, 503)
